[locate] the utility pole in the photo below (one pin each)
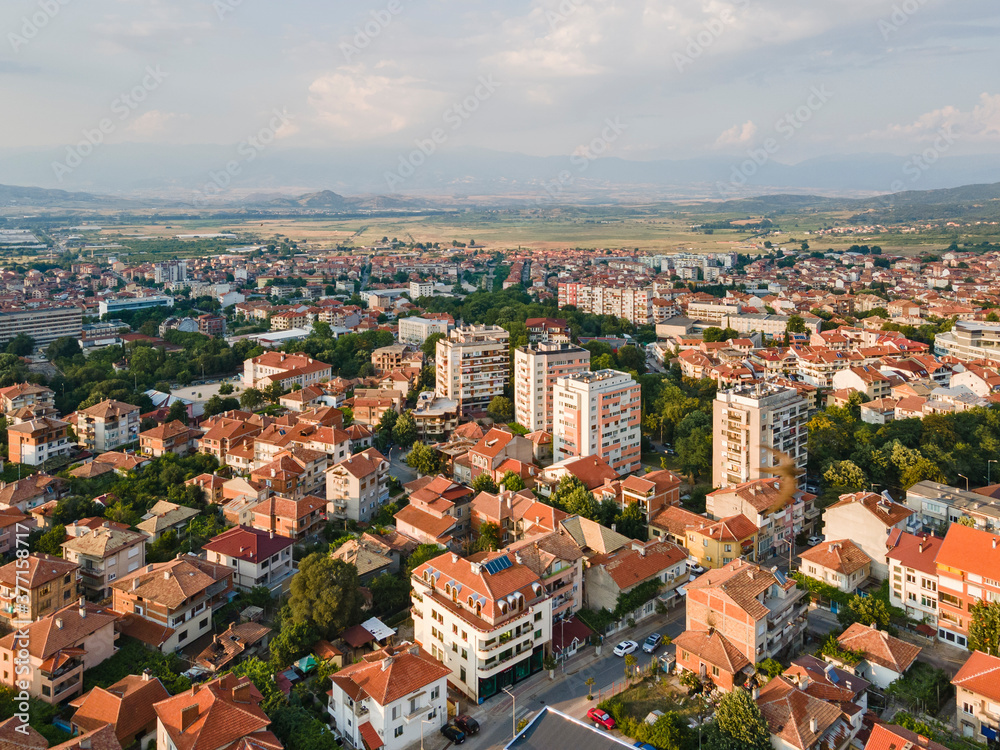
(513, 713)
(988, 467)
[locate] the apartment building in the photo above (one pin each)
(536, 370)
(295, 519)
(26, 396)
(652, 492)
(752, 424)
(106, 426)
(472, 366)
(489, 622)
(36, 586)
(169, 605)
(172, 437)
(44, 323)
(779, 515)
(969, 341)
(712, 544)
(558, 561)
(635, 305)
(867, 519)
(936, 506)
(357, 486)
(105, 554)
(287, 369)
(548, 330)
(865, 379)
(977, 697)
(968, 567)
(38, 440)
(598, 414)
(913, 575)
(415, 331)
(389, 358)
(60, 646)
(495, 447)
(390, 698)
(436, 417)
(256, 557)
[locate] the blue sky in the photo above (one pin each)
(685, 78)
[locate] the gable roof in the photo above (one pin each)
(223, 711)
(63, 629)
(970, 550)
(41, 569)
(981, 675)
(127, 706)
(879, 647)
(170, 583)
(789, 713)
(893, 737)
(389, 674)
(739, 581)
(885, 511)
(248, 544)
(13, 737)
(629, 566)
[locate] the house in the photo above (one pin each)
(286, 369)
(106, 426)
(557, 560)
(370, 559)
(35, 586)
(390, 698)
(495, 447)
(105, 554)
(172, 437)
(913, 575)
(97, 739)
(169, 605)
(653, 492)
(967, 564)
(295, 519)
(293, 473)
(841, 564)
(11, 522)
(709, 654)
(223, 713)
(659, 567)
(977, 697)
(711, 543)
(884, 658)
(866, 518)
(165, 516)
(893, 737)
(127, 706)
(17, 735)
(60, 646)
(224, 434)
(259, 558)
(823, 680)
(38, 440)
(122, 463)
(591, 538)
(31, 492)
(211, 485)
(440, 496)
(481, 618)
(516, 514)
(592, 471)
(26, 395)
(800, 721)
(238, 642)
(357, 487)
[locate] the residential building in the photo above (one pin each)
(212, 325)
(388, 358)
(867, 519)
(913, 575)
(598, 414)
(822, 680)
(864, 379)
(38, 398)
(106, 426)
(536, 370)
(884, 658)
(287, 369)
(169, 605)
(258, 558)
(709, 654)
(558, 561)
(165, 516)
(488, 621)
(112, 307)
(472, 367)
(635, 305)
(436, 418)
(752, 426)
(969, 341)
(662, 565)
(293, 473)
(968, 567)
(893, 737)
(798, 720)
(33, 491)
(11, 522)
(36, 586)
(172, 437)
(295, 519)
(518, 515)
(44, 323)
(104, 555)
(60, 646)
(415, 331)
(712, 544)
(497, 446)
(127, 706)
(936, 506)
(839, 563)
(223, 713)
(358, 486)
(652, 492)
(38, 440)
(370, 558)
(390, 698)
(547, 330)
(977, 697)
(237, 643)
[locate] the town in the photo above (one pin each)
(289, 494)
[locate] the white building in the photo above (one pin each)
(420, 289)
(415, 331)
(866, 519)
(472, 367)
(259, 558)
(536, 370)
(389, 698)
(598, 414)
(913, 575)
(127, 304)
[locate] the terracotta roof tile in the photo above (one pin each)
(842, 556)
(789, 713)
(127, 706)
(879, 647)
(981, 675)
(393, 673)
(249, 544)
(218, 713)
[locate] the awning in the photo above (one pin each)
(680, 591)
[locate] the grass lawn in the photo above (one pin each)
(648, 695)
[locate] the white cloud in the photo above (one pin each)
(737, 135)
(982, 122)
(154, 124)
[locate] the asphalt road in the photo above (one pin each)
(397, 468)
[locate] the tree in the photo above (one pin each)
(429, 347)
(631, 522)
(984, 628)
(866, 610)
(512, 481)
(581, 502)
(390, 594)
(225, 389)
(177, 411)
(739, 724)
(632, 358)
(590, 682)
(63, 348)
(404, 432)
(846, 476)
(501, 409)
(21, 345)
(795, 324)
(274, 391)
(484, 483)
(251, 399)
(325, 592)
(291, 642)
(50, 542)
(422, 554)
(423, 459)
(695, 453)
(630, 662)
(489, 536)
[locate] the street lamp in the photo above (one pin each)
(966, 481)
(513, 712)
(988, 467)
(422, 722)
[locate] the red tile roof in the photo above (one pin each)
(970, 550)
(714, 648)
(916, 551)
(842, 556)
(879, 647)
(218, 713)
(892, 737)
(885, 511)
(249, 544)
(981, 675)
(789, 713)
(392, 673)
(127, 706)
(628, 567)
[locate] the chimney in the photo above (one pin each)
(994, 542)
(147, 675)
(166, 575)
(84, 743)
(83, 608)
(920, 547)
(241, 692)
(813, 726)
(272, 533)
(386, 663)
(454, 557)
(188, 716)
(921, 740)
(614, 527)
(59, 623)
(106, 524)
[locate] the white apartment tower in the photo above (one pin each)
(598, 414)
(748, 423)
(536, 370)
(472, 367)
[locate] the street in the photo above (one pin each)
(398, 468)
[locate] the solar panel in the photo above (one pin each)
(497, 564)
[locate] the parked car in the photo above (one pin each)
(652, 642)
(601, 718)
(814, 540)
(453, 733)
(644, 746)
(467, 724)
(694, 567)
(625, 647)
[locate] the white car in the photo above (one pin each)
(625, 647)
(814, 540)
(694, 567)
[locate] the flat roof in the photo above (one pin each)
(553, 729)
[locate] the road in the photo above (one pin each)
(397, 468)
(569, 693)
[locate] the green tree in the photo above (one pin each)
(50, 542)
(846, 476)
(21, 345)
(404, 432)
(581, 502)
(484, 483)
(251, 399)
(63, 348)
(225, 389)
(866, 610)
(429, 347)
(501, 409)
(423, 459)
(795, 324)
(695, 453)
(292, 641)
(512, 481)
(325, 593)
(632, 358)
(274, 391)
(390, 594)
(422, 554)
(631, 522)
(984, 628)
(739, 723)
(489, 536)
(177, 411)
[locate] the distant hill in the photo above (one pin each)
(13, 195)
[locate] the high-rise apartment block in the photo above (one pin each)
(473, 366)
(751, 421)
(598, 414)
(536, 370)
(635, 305)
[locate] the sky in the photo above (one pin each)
(639, 79)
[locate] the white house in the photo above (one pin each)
(885, 659)
(866, 519)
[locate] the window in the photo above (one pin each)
(398, 731)
(715, 671)
(435, 693)
(461, 674)
(968, 708)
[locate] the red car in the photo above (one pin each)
(601, 718)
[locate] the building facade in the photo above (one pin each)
(472, 367)
(536, 370)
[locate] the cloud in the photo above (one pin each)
(982, 122)
(737, 135)
(154, 124)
